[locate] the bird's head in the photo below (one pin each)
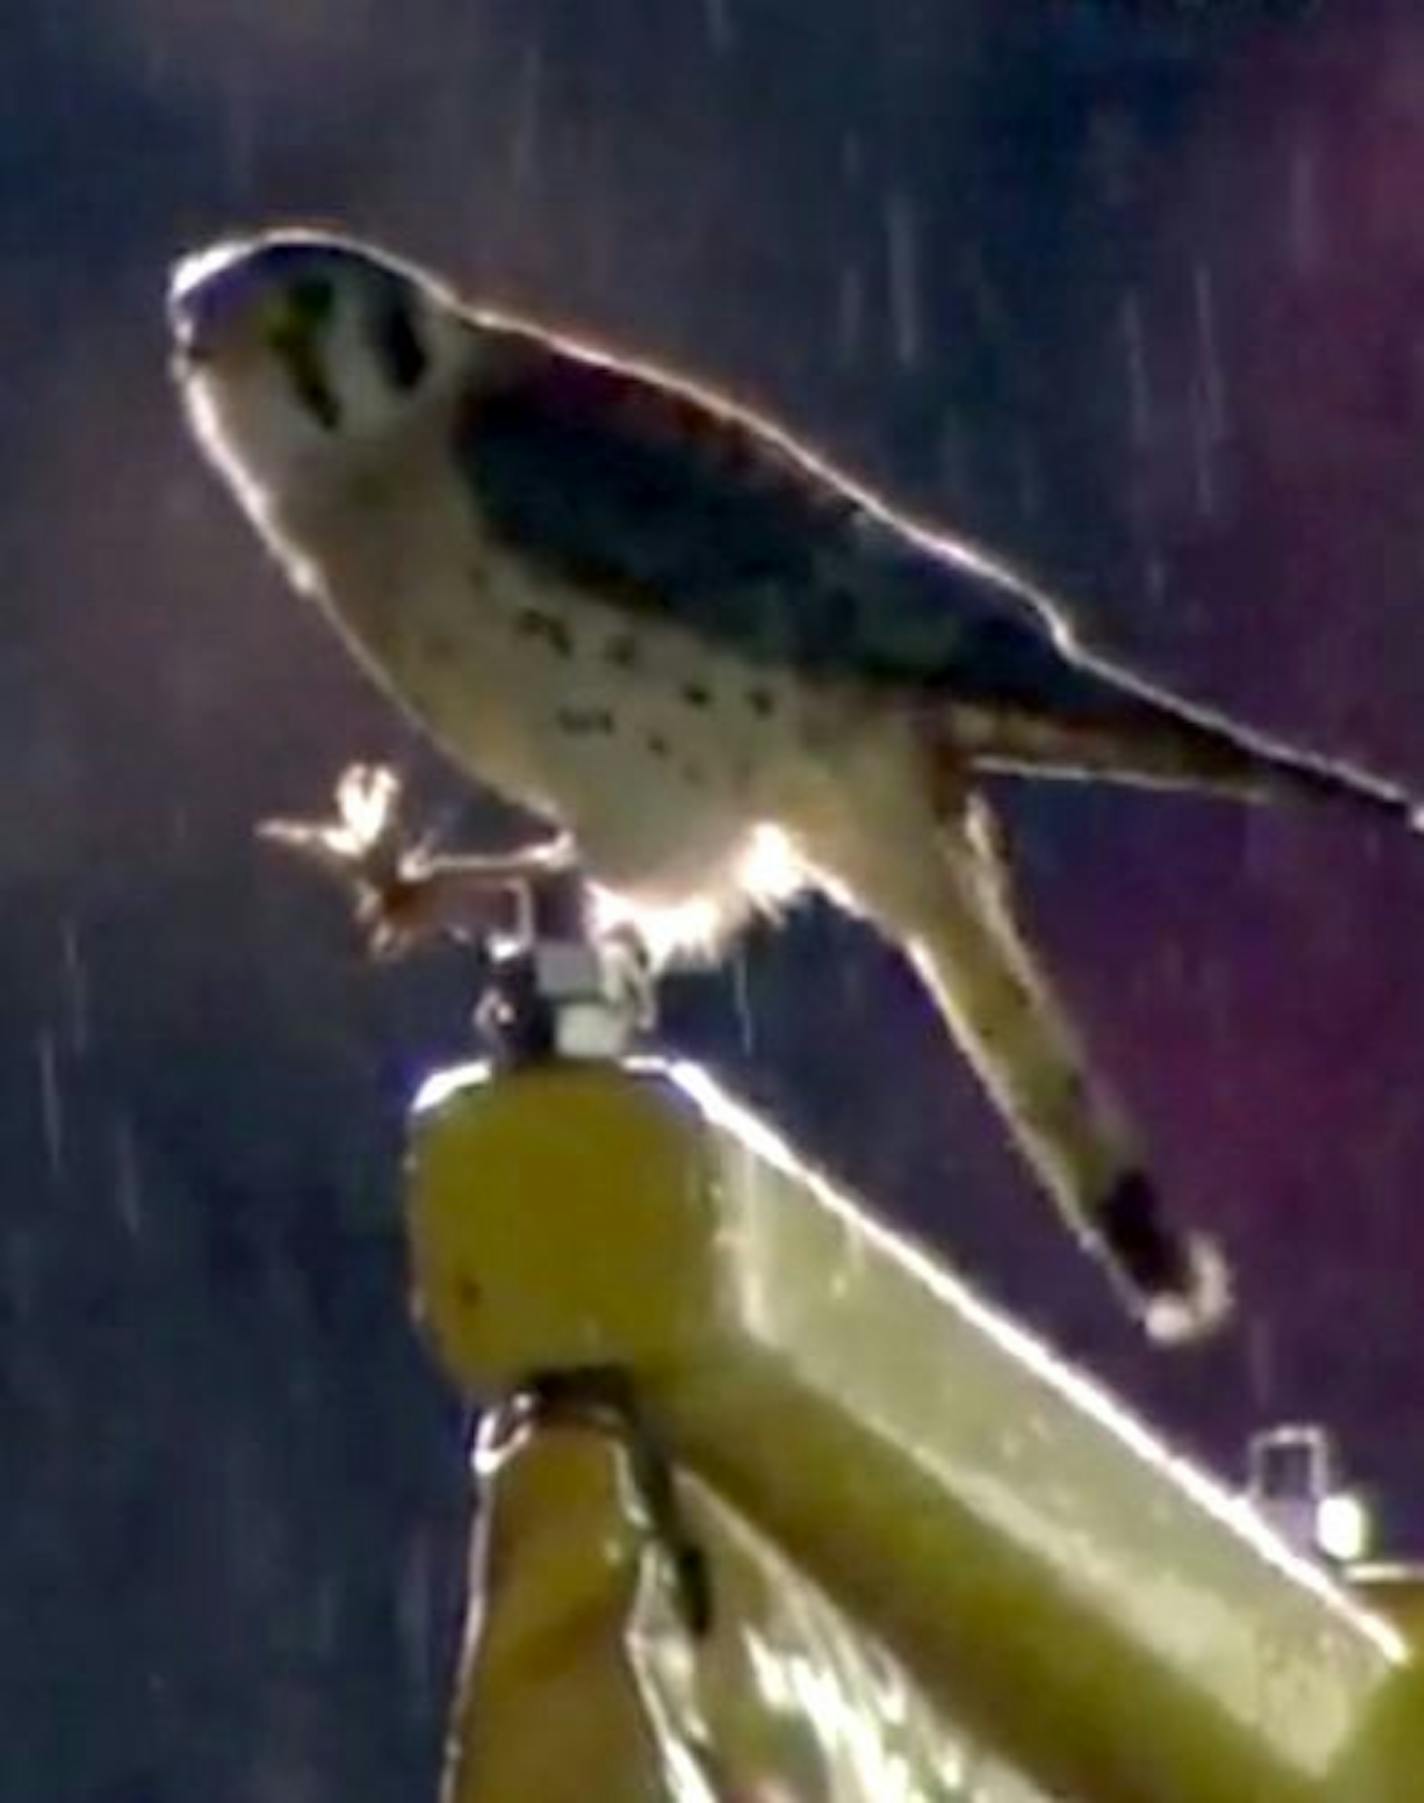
(303, 356)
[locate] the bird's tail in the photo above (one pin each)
(1002, 1011)
(1104, 725)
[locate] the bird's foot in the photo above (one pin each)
(404, 892)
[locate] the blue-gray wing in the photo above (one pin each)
(653, 500)
(659, 503)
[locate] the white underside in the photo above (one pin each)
(678, 811)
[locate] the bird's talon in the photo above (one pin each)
(404, 891)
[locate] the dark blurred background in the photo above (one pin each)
(1130, 290)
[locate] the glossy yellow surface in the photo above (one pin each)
(581, 1681)
(1395, 1591)
(1051, 1579)
(545, 1700)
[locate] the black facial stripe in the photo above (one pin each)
(301, 358)
(397, 342)
(312, 302)
(296, 339)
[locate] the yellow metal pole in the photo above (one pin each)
(1395, 1591)
(580, 1680)
(545, 1699)
(1094, 1607)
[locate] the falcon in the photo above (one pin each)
(722, 667)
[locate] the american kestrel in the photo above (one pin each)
(722, 666)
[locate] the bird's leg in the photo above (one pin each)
(551, 987)
(405, 893)
(466, 895)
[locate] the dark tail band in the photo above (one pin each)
(1178, 1284)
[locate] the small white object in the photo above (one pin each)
(568, 969)
(1343, 1528)
(592, 1030)
(597, 1007)
(1294, 1481)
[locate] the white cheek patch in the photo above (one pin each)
(209, 414)
(228, 427)
(368, 399)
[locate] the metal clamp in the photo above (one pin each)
(605, 1398)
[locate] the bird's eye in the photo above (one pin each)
(397, 343)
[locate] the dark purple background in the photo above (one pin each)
(1133, 291)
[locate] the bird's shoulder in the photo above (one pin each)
(628, 428)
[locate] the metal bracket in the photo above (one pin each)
(605, 1398)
